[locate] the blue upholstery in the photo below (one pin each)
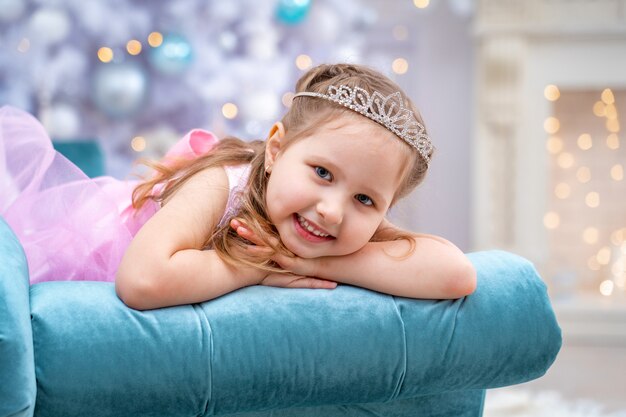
(264, 351)
(17, 367)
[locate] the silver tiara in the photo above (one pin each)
(388, 111)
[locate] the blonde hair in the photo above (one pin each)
(300, 121)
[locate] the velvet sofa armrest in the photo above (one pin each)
(264, 348)
(17, 367)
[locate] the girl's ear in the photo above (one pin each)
(275, 142)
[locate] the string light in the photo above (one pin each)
(138, 144)
(607, 96)
(303, 62)
(551, 220)
(230, 110)
(618, 236)
(610, 111)
(105, 54)
(400, 66)
(287, 99)
(551, 92)
(562, 190)
(554, 145)
(599, 109)
(551, 125)
(604, 255)
(617, 172)
(133, 47)
(421, 4)
(612, 141)
(592, 263)
(585, 142)
(612, 125)
(565, 160)
(155, 39)
(592, 199)
(591, 235)
(606, 287)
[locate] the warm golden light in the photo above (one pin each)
(565, 160)
(593, 264)
(617, 172)
(105, 54)
(611, 111)
(612, 125)
(583, 174)
(133, 47)
(618, 236)
(155, 39)
(138, 144)
(551, 125)
(592, 199)
(421, 4)
(554, 144)
(599, 109)
(607, 96)
(606, 287)
(562, 190)
(612, 141)
(585, 142)
(287, 99)
(229, 110)
(400, 66)
(604, 255)
(551, 220)
(400, 32)
(303, 62)
(591, 235)
(24, 45)
(551, 92)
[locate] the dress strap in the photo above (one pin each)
(237, 179)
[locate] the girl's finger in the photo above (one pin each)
(308, 282)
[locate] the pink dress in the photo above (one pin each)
(73, 227)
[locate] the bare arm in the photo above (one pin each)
(435, 269)
(165, 264)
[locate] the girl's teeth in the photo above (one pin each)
(310, 228)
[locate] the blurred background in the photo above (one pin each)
(522, 98)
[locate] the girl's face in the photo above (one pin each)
(329, 192)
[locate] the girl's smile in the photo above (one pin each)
(309, 230)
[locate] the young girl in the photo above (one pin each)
(305, 208)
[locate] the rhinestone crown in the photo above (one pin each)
(388, 111)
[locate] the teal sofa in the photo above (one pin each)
(74, 349)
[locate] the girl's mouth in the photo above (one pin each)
(309, 231)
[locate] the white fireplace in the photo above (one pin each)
(549, 151)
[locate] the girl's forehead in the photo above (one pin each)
(360, 135)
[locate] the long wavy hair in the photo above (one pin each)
(300, 121)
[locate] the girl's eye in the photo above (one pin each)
(363, 199)
(323, 173)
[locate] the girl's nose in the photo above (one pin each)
(331, 211)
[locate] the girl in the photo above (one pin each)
(305, 208)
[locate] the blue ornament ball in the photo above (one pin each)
(173, 56)
(119, 89)
(292, 12)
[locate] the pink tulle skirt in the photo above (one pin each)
(72, 227)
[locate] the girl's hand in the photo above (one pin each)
(300, 272)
